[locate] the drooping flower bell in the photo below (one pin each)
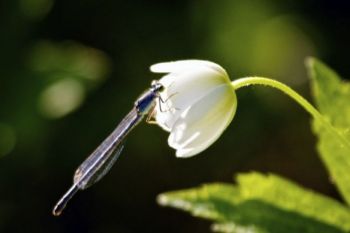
(199, 102)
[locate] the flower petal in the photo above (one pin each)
(203, 122)
(182, 90)
(182, 65)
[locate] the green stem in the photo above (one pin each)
(243, 82)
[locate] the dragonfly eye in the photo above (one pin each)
(160, 87)
(157, 86)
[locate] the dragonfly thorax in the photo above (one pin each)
(146, 101)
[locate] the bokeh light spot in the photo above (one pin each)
(280, 48)
(55, 61)
(61, 98)
(256, 38)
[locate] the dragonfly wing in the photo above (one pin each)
(103, 170)
(108, 165)
(102, 159)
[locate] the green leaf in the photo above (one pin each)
(332, 98)
(261, 203)
(289, 196)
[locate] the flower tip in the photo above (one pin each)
(156, 68)
(166, 67)
(181, 65)
(186, 153)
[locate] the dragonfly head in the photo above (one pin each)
(156, 86)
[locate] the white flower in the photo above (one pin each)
(199, 102)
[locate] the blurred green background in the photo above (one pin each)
(71, 70)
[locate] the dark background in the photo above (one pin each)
(71, 70)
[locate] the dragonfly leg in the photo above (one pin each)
(150, 117)
(161, 101)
